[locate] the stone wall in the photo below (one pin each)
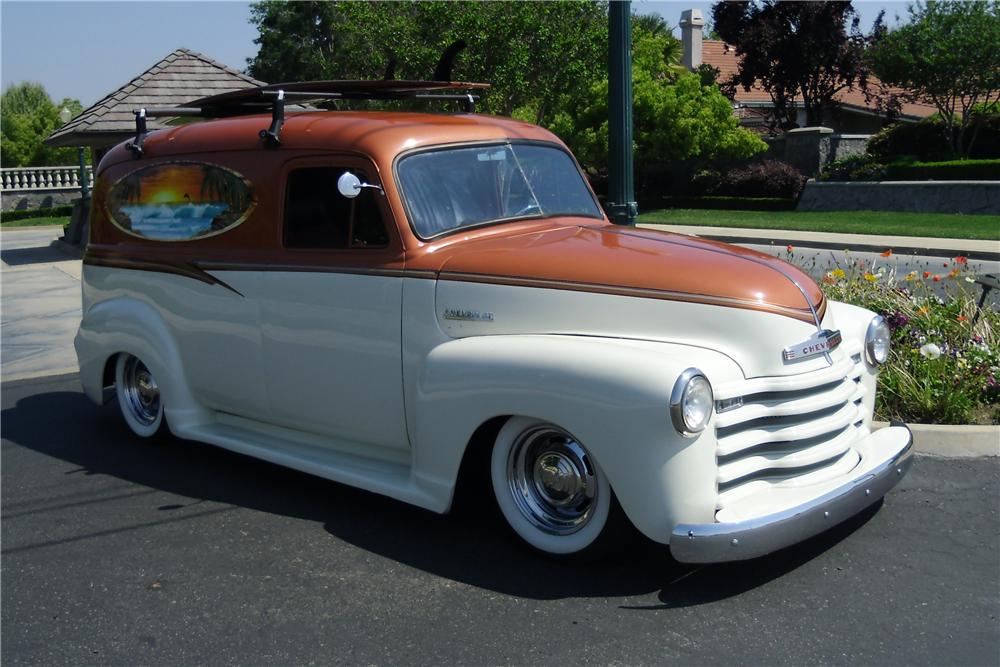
(24, 200)
(810, 149)
(971, 197)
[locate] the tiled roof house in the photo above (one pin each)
(856, 115)
(180, 77)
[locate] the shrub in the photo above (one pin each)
(705, 182)
(943, 368)
(928, 139)
(728, 203)
(987, 143)
(854, 168)
(53, 212)
(925, 140)
(769, 178)
(955, 170)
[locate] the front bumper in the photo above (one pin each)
(742, 540)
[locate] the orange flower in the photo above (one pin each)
(937, 278)
(962, 259)
(887, 253)
(923, 310)
(829, 280)
(962, 318)
(954, 272)
(927, 274)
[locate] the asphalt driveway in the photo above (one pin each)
(118, 551)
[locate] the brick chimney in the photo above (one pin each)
(691, 26)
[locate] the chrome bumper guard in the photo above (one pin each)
(719, 542)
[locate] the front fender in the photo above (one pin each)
(125, 324)
(611, 394)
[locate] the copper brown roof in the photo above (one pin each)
(180, 77)
(722, 56)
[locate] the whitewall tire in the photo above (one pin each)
(138, 396)
(549, 488)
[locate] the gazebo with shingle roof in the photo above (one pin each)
(180, 77)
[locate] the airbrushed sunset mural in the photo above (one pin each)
(179, 201)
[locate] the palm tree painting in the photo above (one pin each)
(179, 201)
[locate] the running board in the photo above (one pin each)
(317, 456)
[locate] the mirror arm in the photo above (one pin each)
(372, 186)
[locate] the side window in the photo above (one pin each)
(317, 216)
(180, 201)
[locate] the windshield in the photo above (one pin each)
(463, 187)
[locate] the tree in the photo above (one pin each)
(675, 114)
(546, 62)
(947, 55)
(794, 49)
(531, 53)
(27, 117)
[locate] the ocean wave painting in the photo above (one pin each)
(179, 201)
(173, 221)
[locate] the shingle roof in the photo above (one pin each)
(723, 57)
(180, 77)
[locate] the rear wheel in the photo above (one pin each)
(138, 396)
(550, 489)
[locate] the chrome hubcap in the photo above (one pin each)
(551, 480)
(142, 394)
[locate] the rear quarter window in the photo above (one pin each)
(180, 201)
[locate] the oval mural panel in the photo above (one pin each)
(180, 201)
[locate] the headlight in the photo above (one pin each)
(877, 341)
(691, 403)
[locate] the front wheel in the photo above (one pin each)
(138, 396)
(550, 490)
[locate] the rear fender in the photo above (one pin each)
(131, 326)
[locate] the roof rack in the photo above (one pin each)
(274, 97)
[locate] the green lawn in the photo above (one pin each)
(985, 227)
(36, 222)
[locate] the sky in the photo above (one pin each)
(85, 50)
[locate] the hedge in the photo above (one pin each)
(954, 170)
(725, 203)
(53, 212)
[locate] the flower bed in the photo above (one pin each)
(944, 366)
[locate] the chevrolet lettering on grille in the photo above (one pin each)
(820, 343)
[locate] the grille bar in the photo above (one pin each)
(846, 414)
(790, 430)
(844, 391)
(785, 461)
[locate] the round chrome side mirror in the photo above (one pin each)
(349, 185)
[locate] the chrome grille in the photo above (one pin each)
(790, 431)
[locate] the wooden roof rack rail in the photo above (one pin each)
(273, 97)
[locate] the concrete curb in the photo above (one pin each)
(35, 375)
(68, 249)
(858, 247)
(953, 440)
(30, 228)
(947, 248)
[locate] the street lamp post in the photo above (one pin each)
(65, 116)
(622, 207)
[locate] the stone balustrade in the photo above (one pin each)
(42, 179)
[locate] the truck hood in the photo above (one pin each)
(588, 256)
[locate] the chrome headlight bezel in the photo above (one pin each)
(878, 341)
(686, 388)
